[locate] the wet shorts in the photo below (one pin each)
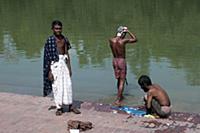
(162, 111)
(119, 65)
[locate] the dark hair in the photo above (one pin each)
(56, 22)
(144, 81)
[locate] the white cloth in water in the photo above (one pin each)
(62, 85)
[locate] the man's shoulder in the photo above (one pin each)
(113, 40)
(152, 88)
(156, 88)
(50, 39)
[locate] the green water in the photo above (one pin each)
(167, 49)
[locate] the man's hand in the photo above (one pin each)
(50, 76)
(125, 29)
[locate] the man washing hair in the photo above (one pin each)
(117, 45)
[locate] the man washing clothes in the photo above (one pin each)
(117, 45)
(57, 69)
(157, 100)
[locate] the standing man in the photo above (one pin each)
(57, 69)
(118, 48)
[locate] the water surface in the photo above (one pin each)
(167, 49)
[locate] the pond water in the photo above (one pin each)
(167, 49)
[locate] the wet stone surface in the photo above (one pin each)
(31, 114)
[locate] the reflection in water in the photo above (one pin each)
(84, 58)
(167, 48)
(10, 52)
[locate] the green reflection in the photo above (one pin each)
(165, 29)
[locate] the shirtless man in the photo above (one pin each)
(117, 45)
(156, 101)
(57, 69)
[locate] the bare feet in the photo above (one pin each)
(52, 107)
(75, 110)
(117, 103)
(59, 112)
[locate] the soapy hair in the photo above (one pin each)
(120, 31)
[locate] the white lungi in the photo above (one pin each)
(62, 85)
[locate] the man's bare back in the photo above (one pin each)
(118, 48)
(159, 94)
